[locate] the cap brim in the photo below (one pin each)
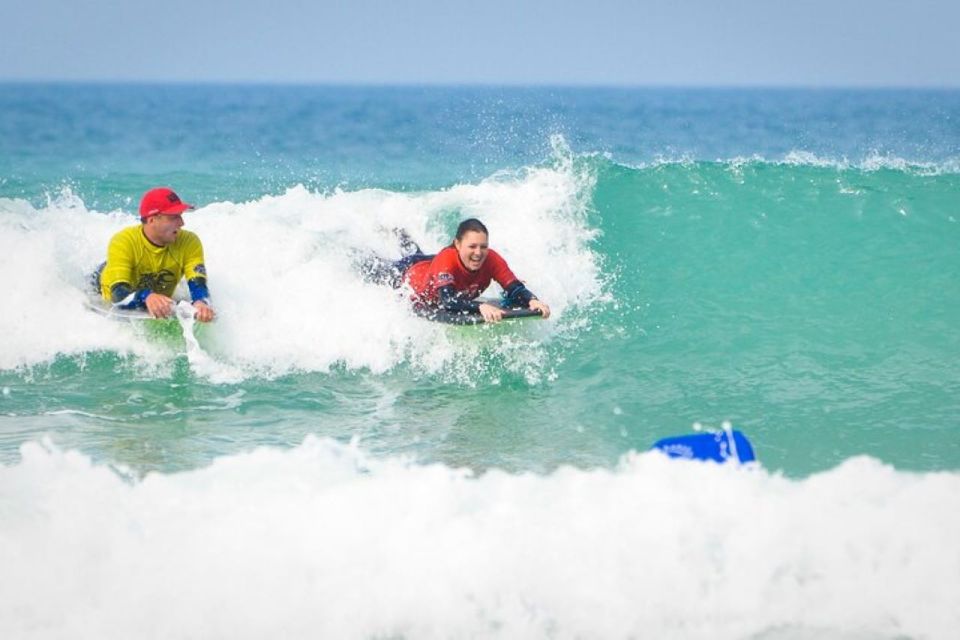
(172, 210)
(177, 209)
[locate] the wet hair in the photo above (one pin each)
(471, 224)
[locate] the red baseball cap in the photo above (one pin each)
(162, 201)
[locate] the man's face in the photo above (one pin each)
(163, 229)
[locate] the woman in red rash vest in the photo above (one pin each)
(452, 279)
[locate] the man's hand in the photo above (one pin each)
(204, 312)
(159, 305)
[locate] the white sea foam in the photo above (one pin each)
(319, 541)
(284, 282)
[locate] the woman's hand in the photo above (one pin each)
(490, 313)
(537, 305)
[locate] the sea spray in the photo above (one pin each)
(202, 364)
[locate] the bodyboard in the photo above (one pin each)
(462, 318)
(728, 445)
(98, 305)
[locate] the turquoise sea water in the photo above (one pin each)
(784, 260)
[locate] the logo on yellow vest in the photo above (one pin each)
(160, 281)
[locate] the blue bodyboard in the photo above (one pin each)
(721, 446)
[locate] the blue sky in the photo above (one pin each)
(597, 42)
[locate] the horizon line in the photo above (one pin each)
(476, 85)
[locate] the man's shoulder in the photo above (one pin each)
(186, 238)
(129, 234)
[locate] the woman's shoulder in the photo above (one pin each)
(495, 258)
(446, 255)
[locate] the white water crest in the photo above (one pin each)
(284, 280)
(321, 541)
(870, 162)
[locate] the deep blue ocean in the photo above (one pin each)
(323, 462)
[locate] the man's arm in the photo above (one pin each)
(118, 275)
(196, 273)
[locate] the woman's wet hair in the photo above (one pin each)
(471, 224)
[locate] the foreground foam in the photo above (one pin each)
(320, 541)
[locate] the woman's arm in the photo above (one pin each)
(452, 300)
(517, 295)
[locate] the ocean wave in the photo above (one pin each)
(283, 277)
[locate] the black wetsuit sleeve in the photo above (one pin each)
(198, 290)
(452, 300)
(517, 295)
(121, 291)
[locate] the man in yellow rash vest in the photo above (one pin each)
(145, 262)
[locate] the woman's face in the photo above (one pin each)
(473, 249)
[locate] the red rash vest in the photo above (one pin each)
(446, 269)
